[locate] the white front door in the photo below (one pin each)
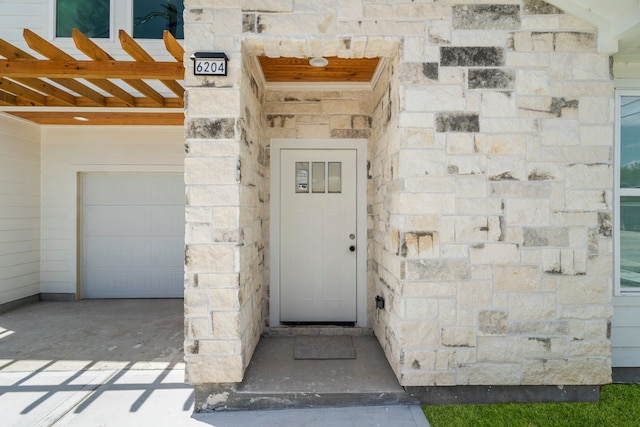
(318, 235)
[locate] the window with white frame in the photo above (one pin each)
(627, 183)
(144, 19)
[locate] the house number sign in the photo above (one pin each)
(209, 64)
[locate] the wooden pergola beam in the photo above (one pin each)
(173, 47)
(19, 68)
(136, 51)
(95, 52)
(17, 89)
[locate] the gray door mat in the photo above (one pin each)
(324, 347)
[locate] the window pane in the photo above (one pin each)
(302, 177)
(317, 179)
(630, 142)
(630, 243)
(335, 177)
(152, 17)
(92, 17)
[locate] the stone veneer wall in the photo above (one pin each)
(490, 191)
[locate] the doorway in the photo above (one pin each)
(318, 231)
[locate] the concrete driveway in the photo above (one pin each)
(120, 363)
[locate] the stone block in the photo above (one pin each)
(459, 143)
(435, 98)
(545, 236)
(517, 278)
(491, 78)
(532, 306)
(493, 322)
(432, 10)
(490, 373)
(210, 170)
(540, 7)
(486, 17)
(458, 337)
(418, 72)
(575, 42)
(528, 212)
(300, 23)
(532, 82)
(471, 186)
(589, 176)
(539, 328)
(498, 104)
(501, 349)
(583, 290)
(206, 369)
(419, 244)
(494, 253)
(220, 257)
(438, 269)
(267, 5)
(425, 203)
(544, 347)
(574, 371)
(419, 333)
(509, 125)
(420, 308)
(419, 138)
(202, 128)
(457, 122)
(467, 165)
(473, 295)
(596, 111)
(419, 359)
(481, 56)
(500, 144)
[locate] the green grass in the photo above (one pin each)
(619, 406)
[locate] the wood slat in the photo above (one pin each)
(7, 98)
(19, 90)
(95, 52)
(10, 51)
(299, 70)
(102, 118)
(91, 69)
(92, 50)
(47, 49)
(136, 51)
(173, 47)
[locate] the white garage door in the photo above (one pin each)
(132, 235)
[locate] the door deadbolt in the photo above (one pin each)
(352, 248)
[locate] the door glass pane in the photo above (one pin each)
(317, 183)
(152, 17)
(630, 243)
(335, 177)
(91, 17)
(630, 142)
(302, 177)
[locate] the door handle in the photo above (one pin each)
(352, 248)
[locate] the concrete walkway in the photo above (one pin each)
(119, 363)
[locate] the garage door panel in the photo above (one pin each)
(134, 189)
(133, 236)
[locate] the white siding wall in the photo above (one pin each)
(625, 336)
(19, 209)
(69, 150)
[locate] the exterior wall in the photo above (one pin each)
(19, 210)
(625, 324)
(38, 16)
(491, 182)
(68, 150)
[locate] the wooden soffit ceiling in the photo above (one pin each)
(298, 70)
(60, 87)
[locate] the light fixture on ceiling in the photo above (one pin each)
(81, 118)
(318, 61)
